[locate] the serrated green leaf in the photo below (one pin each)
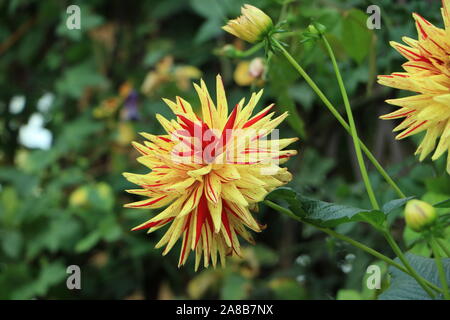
(290, 196)
(405, 287)
(323, 213)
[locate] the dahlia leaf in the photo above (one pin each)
(326, 214)
(390, 206)
(404, 287)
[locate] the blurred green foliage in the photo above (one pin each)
(62, 205)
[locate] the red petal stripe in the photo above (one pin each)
(149, 202)
(182, 105)
(153, 224)
(257, 118)
(412, 129)
(399, 115)
(202, 212)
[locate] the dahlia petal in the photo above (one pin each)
(182, 185)
(222, 104)
(434, 112)
(192, 201)
(231, 193)
(226, 231)
(171, 236)
(416, 128)
(255, 194)
(215, 210)
(258, 117)
(209, 111)
(212, 187)
(201, 214)
(429, 142)
(156, 202)
(198, 173)
(417, 101)
(242, 213)
(248, 109)
(166, 124)
(400, 113)
(152, 224)
(172, 210)
(141, 149)
(186, 240)
(443, 146)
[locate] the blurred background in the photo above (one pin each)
(71, 101)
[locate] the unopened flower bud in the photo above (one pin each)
(252, 26)
(312, 29)
(419, 214)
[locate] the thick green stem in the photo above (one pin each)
(443, 246)
(353, 131)
(440, 267)
(348, 240)
(413, 273)
(336, 114)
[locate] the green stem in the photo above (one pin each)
(440, 267)
(348, 240)
(250, 51)
(353, 131)
(413, 273)
(336, 114)
(443, 246)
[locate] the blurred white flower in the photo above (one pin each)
(33, 135)
(45, 102)
(17, 104)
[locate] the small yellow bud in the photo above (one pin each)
(79, 197)
(252, 26)
(419, 214)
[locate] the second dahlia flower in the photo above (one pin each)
(428, 75)
(208, 172)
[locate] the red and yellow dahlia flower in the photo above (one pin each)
(208, 173)
(428, 74)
